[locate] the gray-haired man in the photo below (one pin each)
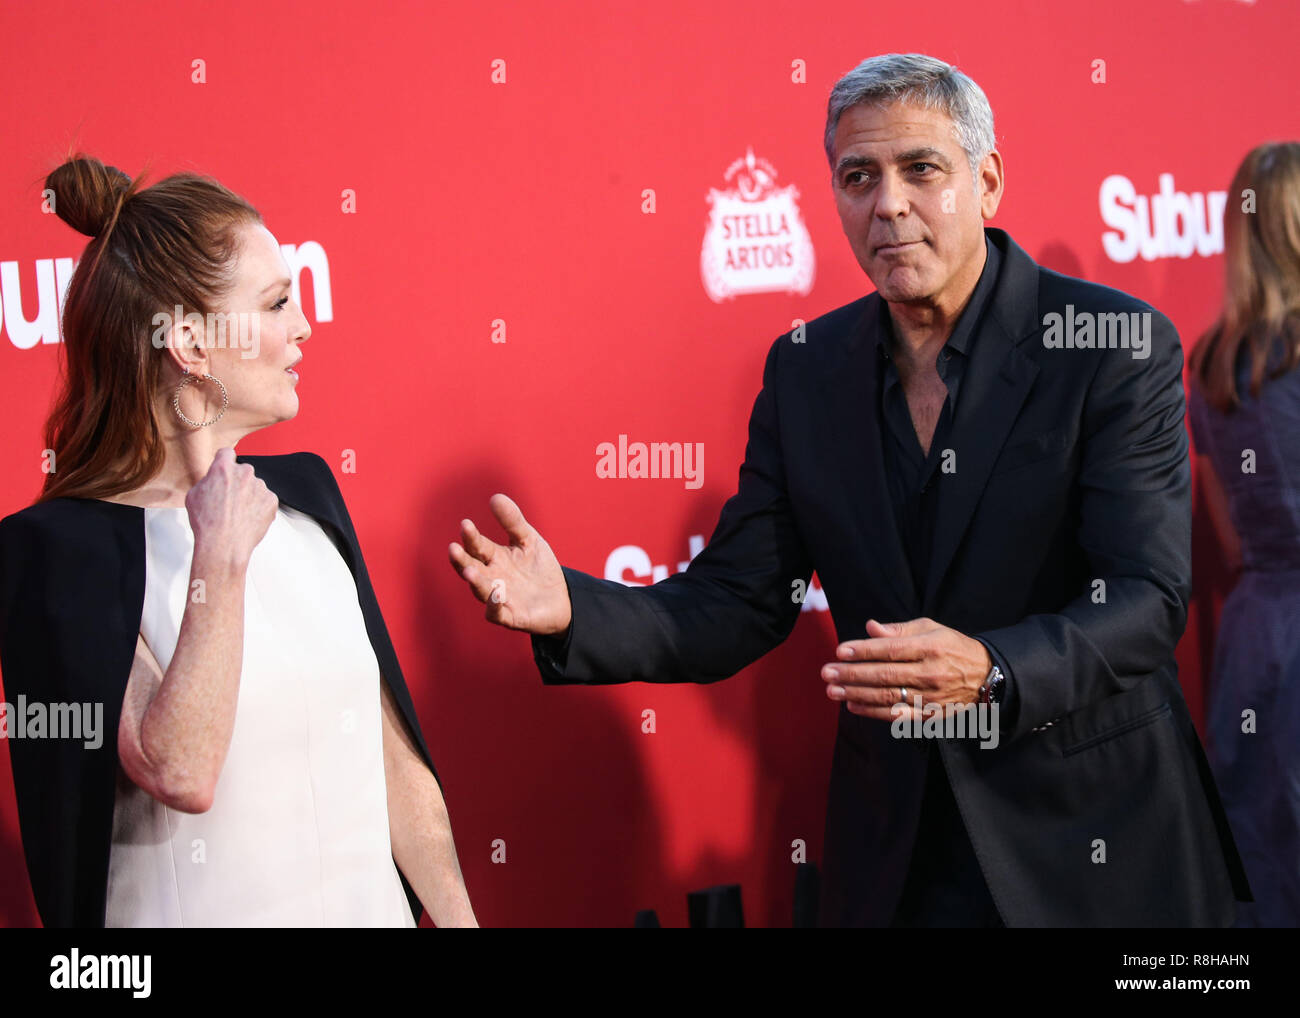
(998, 521)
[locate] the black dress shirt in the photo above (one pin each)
(916, 479)
(944, 885)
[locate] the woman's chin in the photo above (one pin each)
(283, 409)
(286, 410)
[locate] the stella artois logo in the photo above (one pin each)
(756, 241)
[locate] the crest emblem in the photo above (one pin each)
(756, 240)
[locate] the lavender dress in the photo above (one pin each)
(1257, 654)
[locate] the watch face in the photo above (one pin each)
(991, 691)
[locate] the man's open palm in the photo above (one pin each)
(521, 583)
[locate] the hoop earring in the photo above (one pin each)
(176, 399)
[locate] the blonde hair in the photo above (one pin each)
(1261, 298)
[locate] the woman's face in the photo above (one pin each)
(263, 328)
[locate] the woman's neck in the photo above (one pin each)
(187, 460)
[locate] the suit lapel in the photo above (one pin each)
(997, 382)
(992, 393)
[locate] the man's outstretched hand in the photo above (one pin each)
(521, 583)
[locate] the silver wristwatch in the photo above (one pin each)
(994, 684)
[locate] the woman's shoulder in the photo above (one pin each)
(304, 459)
(1279, 384)
(70, 571)
(304, 481)
(62, 520)
(302, 478)
(300, 468)
(68, 545)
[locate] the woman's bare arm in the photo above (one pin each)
(418, 824)
(175, 729)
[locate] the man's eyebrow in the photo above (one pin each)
(853, 163)
(923, 154)
(279, 284)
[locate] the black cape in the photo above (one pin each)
(72, 582)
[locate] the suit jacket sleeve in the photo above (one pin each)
(733, 603)
(1134, 525)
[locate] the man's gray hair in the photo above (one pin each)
(923, 81)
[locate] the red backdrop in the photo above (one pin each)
(541, 174)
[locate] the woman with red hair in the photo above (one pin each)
(262, 762)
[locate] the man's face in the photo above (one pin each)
(911, 210)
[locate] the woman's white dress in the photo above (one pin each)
(298, 830)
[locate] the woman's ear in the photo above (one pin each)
(185, 339)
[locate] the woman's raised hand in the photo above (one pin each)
(230, 510)
(521, 583)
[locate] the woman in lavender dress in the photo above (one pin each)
(1244, 403)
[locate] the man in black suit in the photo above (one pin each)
(991, 455)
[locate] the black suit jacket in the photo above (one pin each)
(72, 582)
(1071, 467)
